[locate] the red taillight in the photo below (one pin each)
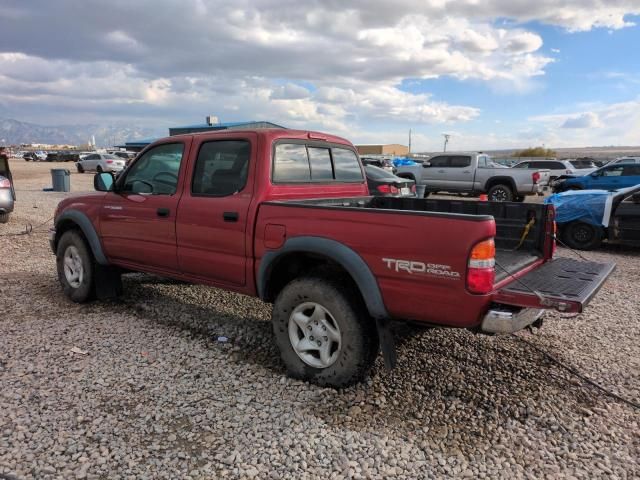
(535, 176)
(481, 267)
(387, 189)
(109, 161)
(5, 183)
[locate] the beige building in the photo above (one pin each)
(388, 149)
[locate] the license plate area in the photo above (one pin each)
(404, 191)
(564, 284)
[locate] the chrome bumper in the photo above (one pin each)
(504, 321)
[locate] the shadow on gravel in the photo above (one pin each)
(456, 380)
(207, 313)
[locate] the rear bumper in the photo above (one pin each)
(505, 321)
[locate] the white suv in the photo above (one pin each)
(101, 162)
(557, 167)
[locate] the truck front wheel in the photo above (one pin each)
(500, 193)
(75, 267)
(324, 333)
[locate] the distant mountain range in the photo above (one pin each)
(15, 132)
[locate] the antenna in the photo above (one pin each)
(446, 136)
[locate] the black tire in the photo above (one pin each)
(79, 167)
(500, 193)
(359, 339)
(85, 291)
(4, 217)
(582, 236)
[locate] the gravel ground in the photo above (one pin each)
(158, 396)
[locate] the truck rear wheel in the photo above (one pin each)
(4, 217)
(324, 333)
(500, 193)
(75, 265)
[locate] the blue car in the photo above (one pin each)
(609, 177)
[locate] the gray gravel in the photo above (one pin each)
(158, 396)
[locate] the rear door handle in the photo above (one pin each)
(230, 216)
(163, 212)
(440, 171)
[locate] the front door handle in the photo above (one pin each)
(163, 212)
(230, 216)
(440, 171)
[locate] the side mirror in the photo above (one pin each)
(594, 174)
(103, 182)
(426, 164)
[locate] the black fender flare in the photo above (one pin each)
(354, 265)
(88, 230)
(508, 181)
(339, 253)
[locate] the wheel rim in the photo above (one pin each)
(315, 335)
(499, 195)
(582, 235)
(73, 268)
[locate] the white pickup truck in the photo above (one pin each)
(474, 173)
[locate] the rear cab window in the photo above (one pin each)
(300, 162)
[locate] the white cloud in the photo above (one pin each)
(321, 64)
(584, 120)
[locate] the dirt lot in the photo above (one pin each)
(158, 396)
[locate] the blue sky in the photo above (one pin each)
(493, 74)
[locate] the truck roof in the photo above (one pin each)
(270, 134)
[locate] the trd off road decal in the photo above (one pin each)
(418, 268)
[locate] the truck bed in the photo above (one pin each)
(511, 220)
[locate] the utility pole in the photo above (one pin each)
(409, 140)
(446, 140)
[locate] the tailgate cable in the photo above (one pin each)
(542, 298)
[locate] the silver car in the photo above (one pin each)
(7, 192)
(101, 162)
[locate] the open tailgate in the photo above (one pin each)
(564, 284)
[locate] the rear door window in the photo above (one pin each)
(441, 161)
(459, 161)
(221, 168)
(346, 165)
(631, 171)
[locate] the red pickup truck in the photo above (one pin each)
(285, 215)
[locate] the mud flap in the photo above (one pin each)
(387, 342)
(108, 282)
(564, 284)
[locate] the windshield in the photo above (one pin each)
(111, 157)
